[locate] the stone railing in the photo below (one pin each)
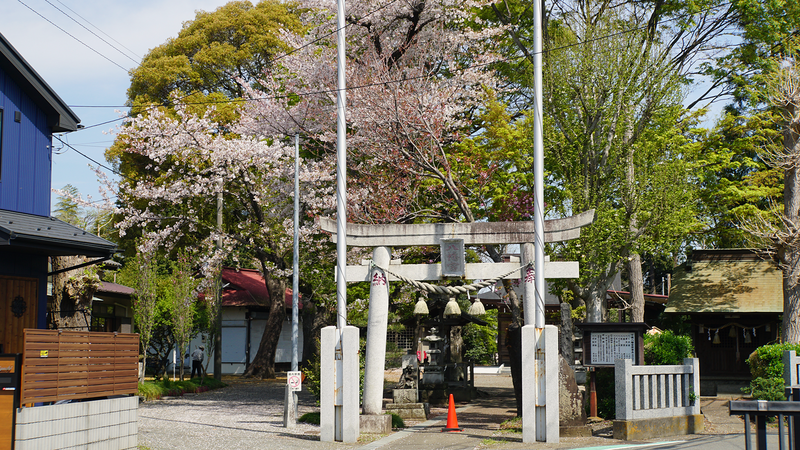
(651, 392)
(791, 368)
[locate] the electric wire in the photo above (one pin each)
(98, 29)
(73, 37)
(93, 33)
(87, 156)
(399, 80)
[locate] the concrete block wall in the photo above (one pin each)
(650, 392)
(109, 424)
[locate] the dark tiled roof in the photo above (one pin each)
(49, 236)
(114, 288)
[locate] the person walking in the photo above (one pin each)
(197, 361)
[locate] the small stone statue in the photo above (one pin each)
(408, 379)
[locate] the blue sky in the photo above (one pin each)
(79, 74)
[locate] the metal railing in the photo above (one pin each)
(787, 413)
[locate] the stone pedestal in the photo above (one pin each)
(540, 392)
(375, 423)
(338, 403)
(410, 411)
(404, 396)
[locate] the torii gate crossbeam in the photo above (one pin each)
(381, 237)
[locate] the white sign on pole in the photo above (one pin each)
(294, 380)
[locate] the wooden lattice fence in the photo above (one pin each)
(69, 365)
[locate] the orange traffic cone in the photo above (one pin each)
(452, 420)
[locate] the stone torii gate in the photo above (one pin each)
(539, 355)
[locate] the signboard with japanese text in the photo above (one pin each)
(606, 342)
(605, 348)
(452, 257)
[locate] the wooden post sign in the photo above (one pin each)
(604, 343)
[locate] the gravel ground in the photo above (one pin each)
(248, 415)
(245, 415)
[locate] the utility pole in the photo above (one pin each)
(339, 403)
(218, 300)
(290, 399)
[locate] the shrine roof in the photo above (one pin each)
(246, 287)
(726, 281)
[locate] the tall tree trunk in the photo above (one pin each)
(636, 287)
(67, 311)
(263, 365)
(790, 259)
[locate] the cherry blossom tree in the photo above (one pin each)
(416, 73)
(189, 162)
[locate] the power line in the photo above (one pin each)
(90, 31)
(98, 29)
(73, 37)
(349, 88)
(87, 156)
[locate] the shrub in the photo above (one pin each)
(667, 348)
(312, 418)
(767, 360)
(766, 389)
(154, 390)
(766, 367)
(397, 421)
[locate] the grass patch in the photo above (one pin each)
(513, 425)
(312, 418)
(154, 390)
(489, 442)
(397, 421)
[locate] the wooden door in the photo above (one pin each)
(19, 309)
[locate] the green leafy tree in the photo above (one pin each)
(183, 302)
(762, 74)
(617, 138)
(237, 41)
(142, 275)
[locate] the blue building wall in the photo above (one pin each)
(25, 160)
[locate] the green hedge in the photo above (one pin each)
(667, 348)
(767, 360)
(766, 367)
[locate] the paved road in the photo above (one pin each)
(248, 415)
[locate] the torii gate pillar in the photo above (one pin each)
(377, 323)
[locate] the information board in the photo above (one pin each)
(607, 347)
